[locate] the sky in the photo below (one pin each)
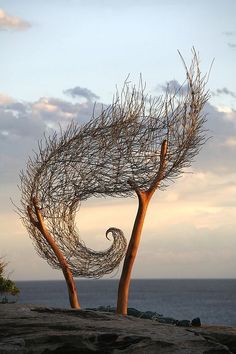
(60, 56)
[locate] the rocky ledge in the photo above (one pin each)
(26, 329)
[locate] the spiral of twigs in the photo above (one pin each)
(123, 143)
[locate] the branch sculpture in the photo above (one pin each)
(136, 145)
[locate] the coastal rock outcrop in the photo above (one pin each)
(27, 329)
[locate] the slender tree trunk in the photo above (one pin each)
(144, 198)
(123, 290)
(72, 291)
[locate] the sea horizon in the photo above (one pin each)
(213, 300)
(90, 279)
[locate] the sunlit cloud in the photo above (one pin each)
(8, 22)
(33, 118)
(44, 105)
(229, 113)
(5, 99)
(224, 109)
(231, 142)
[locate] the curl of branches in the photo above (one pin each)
(122, 144)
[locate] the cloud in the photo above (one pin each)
(5, 99)
(173, 86)
(229, 33)
(232, 45)
(8, 22)
(81, 92)
(220, 125)
(27, 121)
(231, 142)
(223, 91)
(229, 113)
(32, 118)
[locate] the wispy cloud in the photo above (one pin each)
(172, 86)
(224, 91)
(229, 33)
(232, 45)
(8, 22)
(81, 92)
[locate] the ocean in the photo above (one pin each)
(214, 301)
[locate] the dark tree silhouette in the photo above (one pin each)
(137, 145)
(7, 286)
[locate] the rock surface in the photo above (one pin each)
(26, 329)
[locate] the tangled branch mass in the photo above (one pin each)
(122, 144)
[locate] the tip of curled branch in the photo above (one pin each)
(107, 232)
(115, 232)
